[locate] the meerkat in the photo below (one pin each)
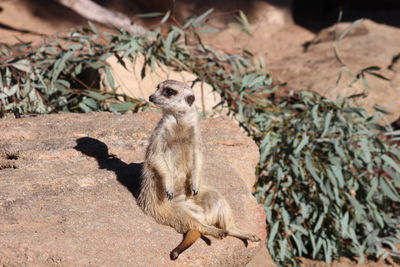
(171, 189)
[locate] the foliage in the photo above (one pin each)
(328, 179)
(60, 75)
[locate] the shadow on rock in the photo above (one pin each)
(128, 175)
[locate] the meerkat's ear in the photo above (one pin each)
(190, 99)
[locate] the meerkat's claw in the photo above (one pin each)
(217, 233)
(255, 238)
(223, 235)
(252, 238)
(195, 191)
(170, 195)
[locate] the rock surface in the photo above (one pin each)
(128, 81)
(367, 44)
(67, 193)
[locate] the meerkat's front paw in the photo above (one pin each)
(170, 195)
(219, 233)
(195, 190)
(254, 238)
(222, 234)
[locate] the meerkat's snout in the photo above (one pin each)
(151, 98)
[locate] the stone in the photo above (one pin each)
(68, 198)
(128, 81)
(367, 44)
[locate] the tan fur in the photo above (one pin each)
(171, 190)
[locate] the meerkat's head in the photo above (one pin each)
(173, 96)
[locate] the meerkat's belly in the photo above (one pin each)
(182, 158)
(182, 165)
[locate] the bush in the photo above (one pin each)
(62, 74)
(328, 180)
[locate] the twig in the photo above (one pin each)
(92, 11)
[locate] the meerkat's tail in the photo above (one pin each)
(188, 240)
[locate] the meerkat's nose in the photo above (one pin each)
(151, 98)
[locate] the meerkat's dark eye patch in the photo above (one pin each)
(168, 92)
(190, 99)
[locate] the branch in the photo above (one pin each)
(94, 12)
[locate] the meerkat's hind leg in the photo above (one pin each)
(235, 232)
(214, 231)
(188, 240)
(206, 239)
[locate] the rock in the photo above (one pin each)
(128, 81)
(267, 24)
(69, 197)
(396, 124)
(368, 44)
(31, 21)
(262, 259)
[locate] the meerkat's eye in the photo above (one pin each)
(169, 92)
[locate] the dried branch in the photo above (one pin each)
(94, 12)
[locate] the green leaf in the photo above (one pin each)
(98, 96)
(59, 66)
(93, 28)
(299, 228)
(327, 122)
(11, 91)
(365, 150)
(302, 144)
(311, 169)
(88, 105)
(23, 65)
(204, 15)
(388, 189)
(166, 16)
(299, 243)
(167, 44)
(245, 23)
(391, 162)
(372, 190)
(110, 78)
(344, 223)
(318, 225)
(314, 114)
(337, 170)
(327, 251)
(349, 28)
(283, 249)
(285, 216)
(272, 234)
(150, 15)
(122, 107)
(358, 209)
(382, 109)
